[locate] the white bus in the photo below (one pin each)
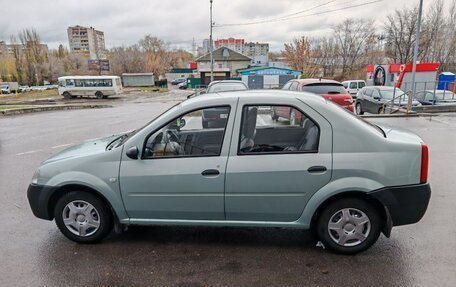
(98, 86)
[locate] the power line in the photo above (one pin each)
(281, 19)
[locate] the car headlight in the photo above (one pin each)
(35, 177)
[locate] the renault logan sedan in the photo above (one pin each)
(334, 173)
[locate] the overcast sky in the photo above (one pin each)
(179, 21)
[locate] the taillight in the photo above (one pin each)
(348, 99)
(424, 163)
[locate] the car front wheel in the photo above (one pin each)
(349, 226)
(83, 217)
(359, 109)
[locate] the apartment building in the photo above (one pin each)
(236, 45)
(258, 52)
(87, 40)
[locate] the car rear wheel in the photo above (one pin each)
(66, 95)
(83, 217)
(349, 226)
(381, 110)
(99, 95)
(359, 109)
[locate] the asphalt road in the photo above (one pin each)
(34, 253)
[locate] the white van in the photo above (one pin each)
(99, 86)
(353, 86)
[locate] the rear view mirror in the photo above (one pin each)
(133, 152)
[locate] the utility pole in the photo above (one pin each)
(415, 54)
(210, 44)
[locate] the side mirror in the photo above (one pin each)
(132, 152)
(377, 98)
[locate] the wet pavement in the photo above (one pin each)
(34, 253)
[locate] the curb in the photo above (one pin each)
(20, 111)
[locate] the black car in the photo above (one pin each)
(373, 99)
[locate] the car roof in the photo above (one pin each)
(438, 91)
(263, 95)
(316, 81)
(225, 81)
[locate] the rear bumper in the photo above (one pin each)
(404, 204)
(38, 197)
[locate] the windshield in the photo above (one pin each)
(390, 94)
(224, 87)
(325, 88)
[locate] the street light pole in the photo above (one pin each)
(415, 54)
(210, 45)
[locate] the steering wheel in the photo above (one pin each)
(170, 136)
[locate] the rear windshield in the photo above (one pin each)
(325, 88)
(225, 87)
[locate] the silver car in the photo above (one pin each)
(333, 173)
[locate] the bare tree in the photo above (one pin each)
(351, 37)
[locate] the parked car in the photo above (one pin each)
(373, 99)
(226, 86)
(249, 172)
(437, 97)
(178, 81)
(353, 86)
(23, 89)
(328, 89)
(5, 89)
(182, 86)
(216, 117)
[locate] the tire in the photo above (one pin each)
(361, 235)
(96, 222)
(99, 95)
(359, 109)
(381, 110)
(67, 95)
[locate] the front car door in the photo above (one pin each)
(275, 167)
(181, 172)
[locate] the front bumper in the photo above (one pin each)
(39, 197)
(404, 204)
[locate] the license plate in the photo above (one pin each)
(223, 116)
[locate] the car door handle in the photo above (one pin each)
(210, 172)
(317, 169)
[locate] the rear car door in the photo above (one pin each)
(274, 168)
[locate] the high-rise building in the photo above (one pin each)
(88, 41)
(206, 46)
(259, 52)
(231, 43)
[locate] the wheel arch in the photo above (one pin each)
(379, 207)
(62, 190)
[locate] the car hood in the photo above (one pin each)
(84, 149)
(400, 134)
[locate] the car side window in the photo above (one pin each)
(361, 85)
(375, 94)
(368, 92)
(194, 134)
(353, 85)
(280, 129)
(287, 86)
(294, 86)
